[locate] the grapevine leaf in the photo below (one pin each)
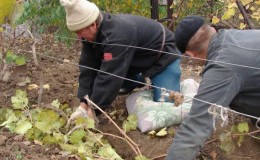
(44, 126)
(68, 147)
(227, 143)
(229, 13)
(108, 152)
(10, 57)
(33, 86)
(215, 20)
(152, 132)
(245, 2)
(10, 117)
(59, 137)
(77, 136)
(130, 123)
(20, 100)
(243, 127)
(34, 134)
(162, 132)
(55, 103)
(48, 139)
(85, 149)
(242, 26)
(48, 120)
(46, 86)
(141, 158)
(22, 127)
(89, 122)
(20, 61)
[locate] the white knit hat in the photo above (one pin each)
(79, 13)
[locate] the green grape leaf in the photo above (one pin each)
(60, 138)
(108, 152)
(77, 136)
(10, 57)
(20, 100)
(44, 126)
(130, 123)
(10, 117)
(227, 143)
(22, 127)
(85, 149)
(141, 158)
(34, 134)
(68, 147)
(55, 103)
(48, 139)
(90, 122)
(20, 60)
(243, 127)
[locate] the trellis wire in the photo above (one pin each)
(218, 106)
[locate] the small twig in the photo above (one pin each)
(213, 140)
(161, 156)
(249, 133)
(108, 134)
(95, 137)
(38, 67)
(121, 131)
(75, 128)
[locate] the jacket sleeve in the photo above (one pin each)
(87, 76)
(107, 85)
(218, 86)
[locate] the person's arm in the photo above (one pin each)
(87, 76)
(116, 61)
(218, 86)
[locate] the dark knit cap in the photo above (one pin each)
(186, 29)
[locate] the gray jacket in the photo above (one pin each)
(223, 84)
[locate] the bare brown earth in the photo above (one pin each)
(62, 78)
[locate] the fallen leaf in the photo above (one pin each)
(162, 132)
(46, 86)
(33, 86)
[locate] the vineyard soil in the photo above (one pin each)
(62, 79)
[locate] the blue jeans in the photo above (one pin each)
(169, 79)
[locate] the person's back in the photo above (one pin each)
(239, 51)
(230, 79)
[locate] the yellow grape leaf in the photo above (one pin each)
(257, 2)
(256, 15)
(152, 133)
(162, 132)
(215, 20)
(241, 16)
(1, 29)
(46, 86)
(229, 13)
(245, 2)
(242, 26)
(33, 86)
(232, 5)
(252, 8)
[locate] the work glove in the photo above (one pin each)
(79, 112)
